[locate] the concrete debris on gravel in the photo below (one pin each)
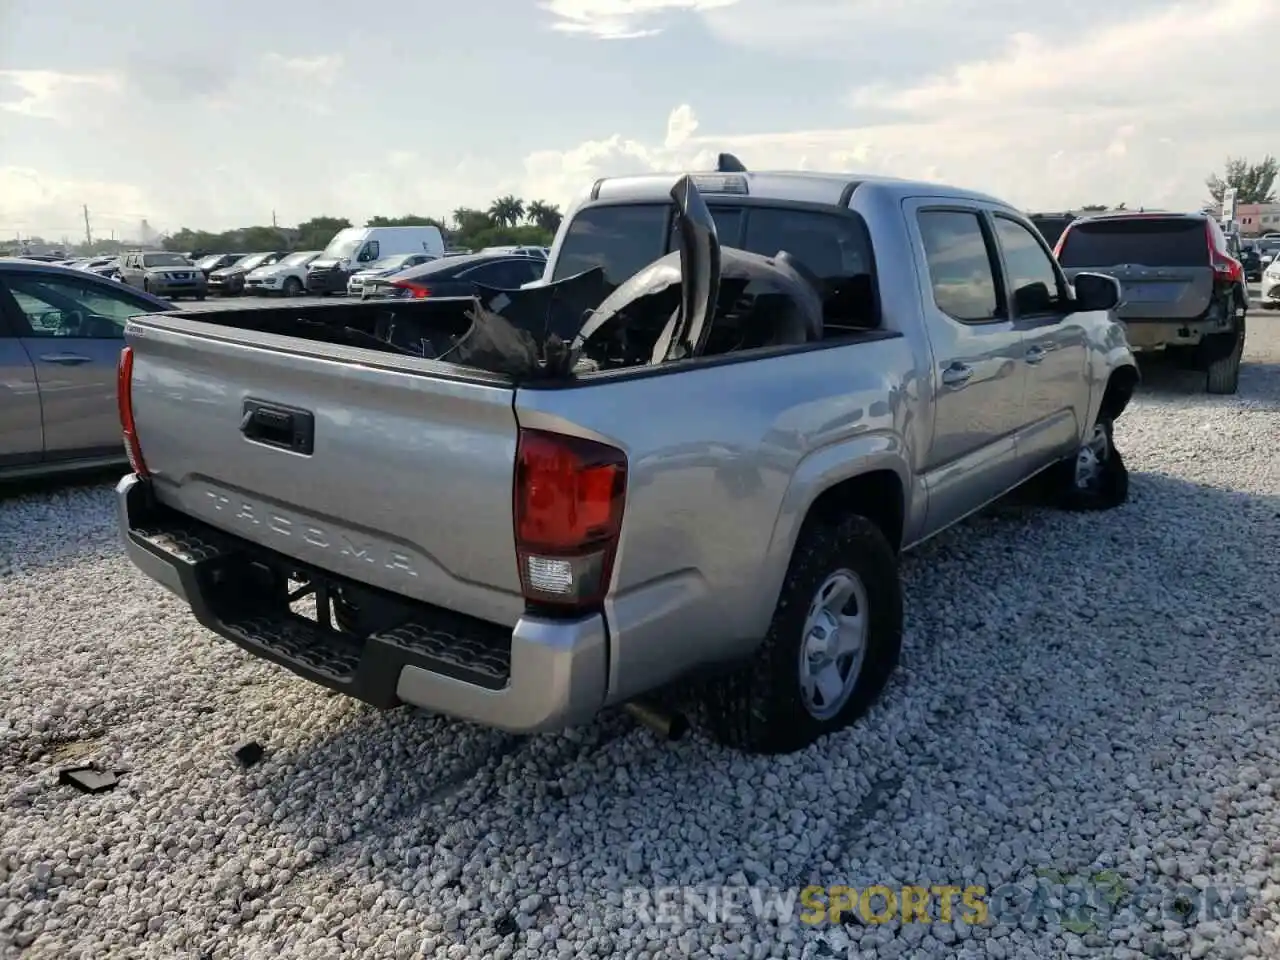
(1081, 696)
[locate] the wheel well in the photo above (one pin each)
(1120, 387)
(877, 495)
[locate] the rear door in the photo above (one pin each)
(1057, 389)
(21, 433)
(131, 270)
(979, 369)
(72, 330)
(1163, 263)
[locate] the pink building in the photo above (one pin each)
(1255, 219)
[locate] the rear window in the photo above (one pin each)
(623, 239)
(620, 239)
(1152, 242)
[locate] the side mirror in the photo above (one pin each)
(1096, 291)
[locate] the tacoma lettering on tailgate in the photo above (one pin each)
(260, 517)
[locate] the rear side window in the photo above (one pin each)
(620, 239)
(505, 274)
(1033, 282)
(1149, 241)
(960, 266)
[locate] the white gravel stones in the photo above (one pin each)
(1078, 694)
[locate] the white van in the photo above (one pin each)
(354, 247)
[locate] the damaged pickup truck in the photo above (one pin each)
(692, 452)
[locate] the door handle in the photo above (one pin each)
(1036, 354)
(288, 428)
(957, 374)
(66, 359)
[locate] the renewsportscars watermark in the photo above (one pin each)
(1079, 904)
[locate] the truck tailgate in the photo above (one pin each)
(404, 484)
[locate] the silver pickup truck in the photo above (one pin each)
(722, 507)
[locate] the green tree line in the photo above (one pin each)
(508, 220)
(1253, 181)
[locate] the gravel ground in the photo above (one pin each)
(1078, 694)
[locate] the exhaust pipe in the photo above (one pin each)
(670, 725)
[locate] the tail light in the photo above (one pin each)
(124, 399)
(569, 495)
(1062, 239)
(1225, 267)
(416, 290)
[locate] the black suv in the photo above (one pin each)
(1181, 290)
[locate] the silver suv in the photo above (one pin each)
(169, 275)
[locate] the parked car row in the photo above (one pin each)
(354, 258)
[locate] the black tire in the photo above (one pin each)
(292, 287)
(1222, 374)
(1106, 489)
(758, 707)
(201, 296)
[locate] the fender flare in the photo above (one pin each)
(818, 472)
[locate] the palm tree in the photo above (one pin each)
(543, 215)
(507, 211)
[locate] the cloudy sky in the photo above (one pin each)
(214, 115)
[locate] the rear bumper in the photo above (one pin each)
(327, 281)
(1154, 334)
(540, 675)
(227, 287)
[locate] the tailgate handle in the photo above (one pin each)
(287, 428)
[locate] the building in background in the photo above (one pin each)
(1255, 219)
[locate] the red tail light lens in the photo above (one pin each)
(1225, 267)
(569, 496)
(124, 400)
(1062, 239)
(416, 290)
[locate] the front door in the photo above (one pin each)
(73, 334)
(978, 373)
(1057, 395)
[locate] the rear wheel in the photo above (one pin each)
(831, 647)
(1222, 373)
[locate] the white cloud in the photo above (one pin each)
(1140, 111)
(322, 68)
(47, 93)
(32, 203)
(620, 19)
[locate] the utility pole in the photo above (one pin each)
(88, 232)
(273, 220)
